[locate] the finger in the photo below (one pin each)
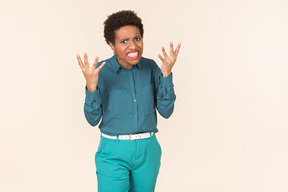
(95, 62)
(164, 53)
(177, 49)
(100, 67)
(171, 49)
(86, 60)
(80, 61)
(161, 58)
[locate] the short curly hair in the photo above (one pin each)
(118, 20)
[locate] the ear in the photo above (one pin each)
(112, 47)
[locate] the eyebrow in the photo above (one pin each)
(127, 38)
(124, 39)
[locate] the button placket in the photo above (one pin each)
(132, 91)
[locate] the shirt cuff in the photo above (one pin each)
(167, 81)
(92, 96)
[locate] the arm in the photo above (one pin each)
(92, 106)
(165, 95)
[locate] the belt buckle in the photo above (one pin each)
(130, 138)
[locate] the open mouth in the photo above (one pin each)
(133, 55)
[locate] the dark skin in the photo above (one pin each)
(133, 44)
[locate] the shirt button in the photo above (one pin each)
(134, 116)
(134, 100)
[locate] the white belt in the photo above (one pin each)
(130, 136)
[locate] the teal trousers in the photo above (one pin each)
(127, 166)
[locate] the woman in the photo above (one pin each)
(125, 94)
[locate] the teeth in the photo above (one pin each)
(133, 54)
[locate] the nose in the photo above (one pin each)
(132, 45)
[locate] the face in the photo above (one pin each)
(128, 46)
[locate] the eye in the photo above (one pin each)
(138, 39)
(124, 41)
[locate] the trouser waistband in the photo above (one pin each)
(130, 136)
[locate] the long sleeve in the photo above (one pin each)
(93, 107)
(127, 100)
(165, 95)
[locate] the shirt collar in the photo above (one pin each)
(117, 67)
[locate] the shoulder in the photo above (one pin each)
(109, 60)
(151, 66)
(111, 65)
(150, 63)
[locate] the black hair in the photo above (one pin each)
(118, 20)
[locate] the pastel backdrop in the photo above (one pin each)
(228, 132)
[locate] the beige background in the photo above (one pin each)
(229, 129)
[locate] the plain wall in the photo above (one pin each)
(229, 127)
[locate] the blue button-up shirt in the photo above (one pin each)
(126, 100)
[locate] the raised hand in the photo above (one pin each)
(169, 61)
(90, 73)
